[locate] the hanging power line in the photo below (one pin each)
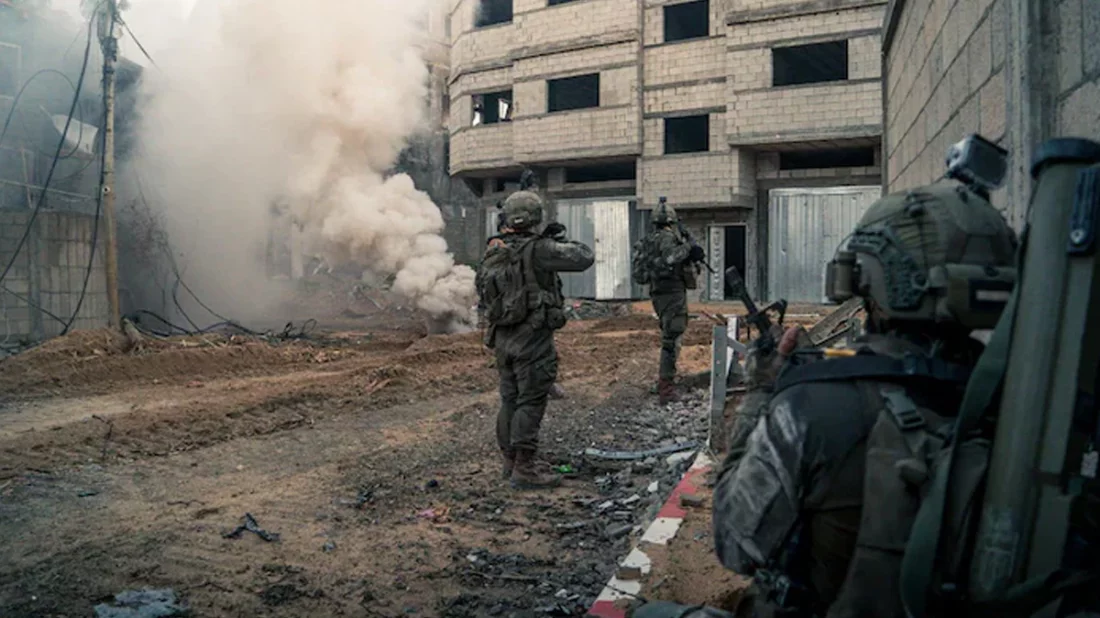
(57, 155)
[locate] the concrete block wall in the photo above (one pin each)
(1017, 71)
(1078, 59)
(602, 132)
(483, 146)
(50, 271)
(762, 114)
(541, 28)
(944, 80)
(684, 61)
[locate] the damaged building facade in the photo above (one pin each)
(760, 121)
(56, 257)
(1018, 72)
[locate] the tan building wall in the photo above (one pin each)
(955, 67)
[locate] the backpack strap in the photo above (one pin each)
(871, 366)
(527, 263)
(919, 562)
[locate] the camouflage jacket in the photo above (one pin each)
(672, 250)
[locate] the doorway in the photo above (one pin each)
(728, 247)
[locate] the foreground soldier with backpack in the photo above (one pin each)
(819, 506)
(519, 288)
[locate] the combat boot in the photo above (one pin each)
(666, 392)
(508, 461)
(525, 474)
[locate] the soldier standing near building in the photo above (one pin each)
(665, 260)
(520, 289)
(831, 477)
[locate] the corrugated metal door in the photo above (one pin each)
(612, 248)
(805, 227)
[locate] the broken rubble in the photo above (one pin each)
(147, 603)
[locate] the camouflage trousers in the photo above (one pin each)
(672, 311)
(528, 368)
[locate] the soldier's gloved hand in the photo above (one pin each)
(697, 254)
(554, 230)
(762, 365)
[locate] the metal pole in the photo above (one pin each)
(109, 44)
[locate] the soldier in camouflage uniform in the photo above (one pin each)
(672, 276)
(525, 354)
(788, 507)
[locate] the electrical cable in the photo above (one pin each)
(57, 156)
(95, 226)
(126, 26)
(19, 95)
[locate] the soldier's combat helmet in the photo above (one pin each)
(939, 253)
(523, 210)
(664, 214)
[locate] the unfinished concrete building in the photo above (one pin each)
(1017, 71)
(759, 120)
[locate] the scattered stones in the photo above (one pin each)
(147, 603)
(617, 531)
(653, 487)
(691, 501)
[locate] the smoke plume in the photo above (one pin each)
(305, 105)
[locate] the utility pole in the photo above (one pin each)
(108, 19)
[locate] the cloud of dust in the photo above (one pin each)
(307, 105)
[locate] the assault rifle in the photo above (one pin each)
(697, 255)
(756, 317)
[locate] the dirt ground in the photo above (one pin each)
(367, 447)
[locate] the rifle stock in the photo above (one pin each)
(756, 317)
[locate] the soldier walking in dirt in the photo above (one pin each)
(519, 287)
(666, 260)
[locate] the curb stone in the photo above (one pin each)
(663, 529)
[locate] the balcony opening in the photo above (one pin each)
(827, 157)
(688, 20)
(810, 64)
(573, 93)
(492, 107)
(501, 184)
(557, 2)
(687, 134)
(626, 170)
(492, 12)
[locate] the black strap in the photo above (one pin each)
(871, 366)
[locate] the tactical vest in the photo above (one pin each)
(906, 444)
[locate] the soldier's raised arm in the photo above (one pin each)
(567, 256)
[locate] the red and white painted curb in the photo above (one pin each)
(663, 529)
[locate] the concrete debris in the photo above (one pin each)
(147, 603)
(595, 310)
(680, 446)
(250, 525)
(653, 487)
(629, 573)
(617, 531)
(691, 501)
(679, 458)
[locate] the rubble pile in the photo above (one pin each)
(595, 310)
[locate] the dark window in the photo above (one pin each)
(556, 2)
(505, 183)
(832, 157)
(445, 108)
(810, 64)
(491, 12)
(687, 134)
(626, 170)
(492, 107)
(689, 20)
(573, 93)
